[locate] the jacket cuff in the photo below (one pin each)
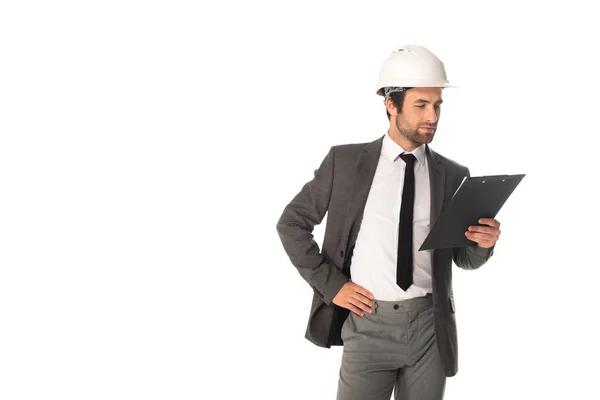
(483, 253)
(335, 284)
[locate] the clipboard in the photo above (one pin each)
(476, 197)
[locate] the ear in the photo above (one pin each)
(391, 108)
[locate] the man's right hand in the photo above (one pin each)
(355, 298)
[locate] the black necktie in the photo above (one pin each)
(404, 262)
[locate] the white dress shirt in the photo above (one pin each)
(373, 264)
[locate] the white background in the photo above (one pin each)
(147, 150)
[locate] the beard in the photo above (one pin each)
(412, 133)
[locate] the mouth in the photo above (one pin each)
(427, 128)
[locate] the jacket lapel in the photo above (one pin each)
(437, 177)
(366, 165)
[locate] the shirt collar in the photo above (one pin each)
(392, 150)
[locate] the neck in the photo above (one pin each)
(400, 139)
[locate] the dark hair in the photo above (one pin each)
(397, 100)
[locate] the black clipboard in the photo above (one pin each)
(477, 197)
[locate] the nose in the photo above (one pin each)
(431, 115)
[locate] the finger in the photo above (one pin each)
(358, 303)
(483, 236)
(489, 221)
(483, 242)
(368, 303)
(363, 298)
(355, 310)
(472, 236)
(484, 229)
(479, 238)
(364, 292)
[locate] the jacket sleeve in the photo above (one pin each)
(471, 256)
(295, 226)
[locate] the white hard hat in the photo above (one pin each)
(412, 66)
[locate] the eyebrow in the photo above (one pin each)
(426, 101)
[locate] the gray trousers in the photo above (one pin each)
(393, 348)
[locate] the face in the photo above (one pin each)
(417, 123)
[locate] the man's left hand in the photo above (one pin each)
(484, 236)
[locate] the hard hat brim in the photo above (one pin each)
(380, 90)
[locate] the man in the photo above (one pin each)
(390, 305)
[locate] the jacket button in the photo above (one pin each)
(396, 306)
(342, 253)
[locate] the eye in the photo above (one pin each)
(421, 106)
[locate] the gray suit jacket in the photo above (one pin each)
(340, 188)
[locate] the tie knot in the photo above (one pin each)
(408, 158)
